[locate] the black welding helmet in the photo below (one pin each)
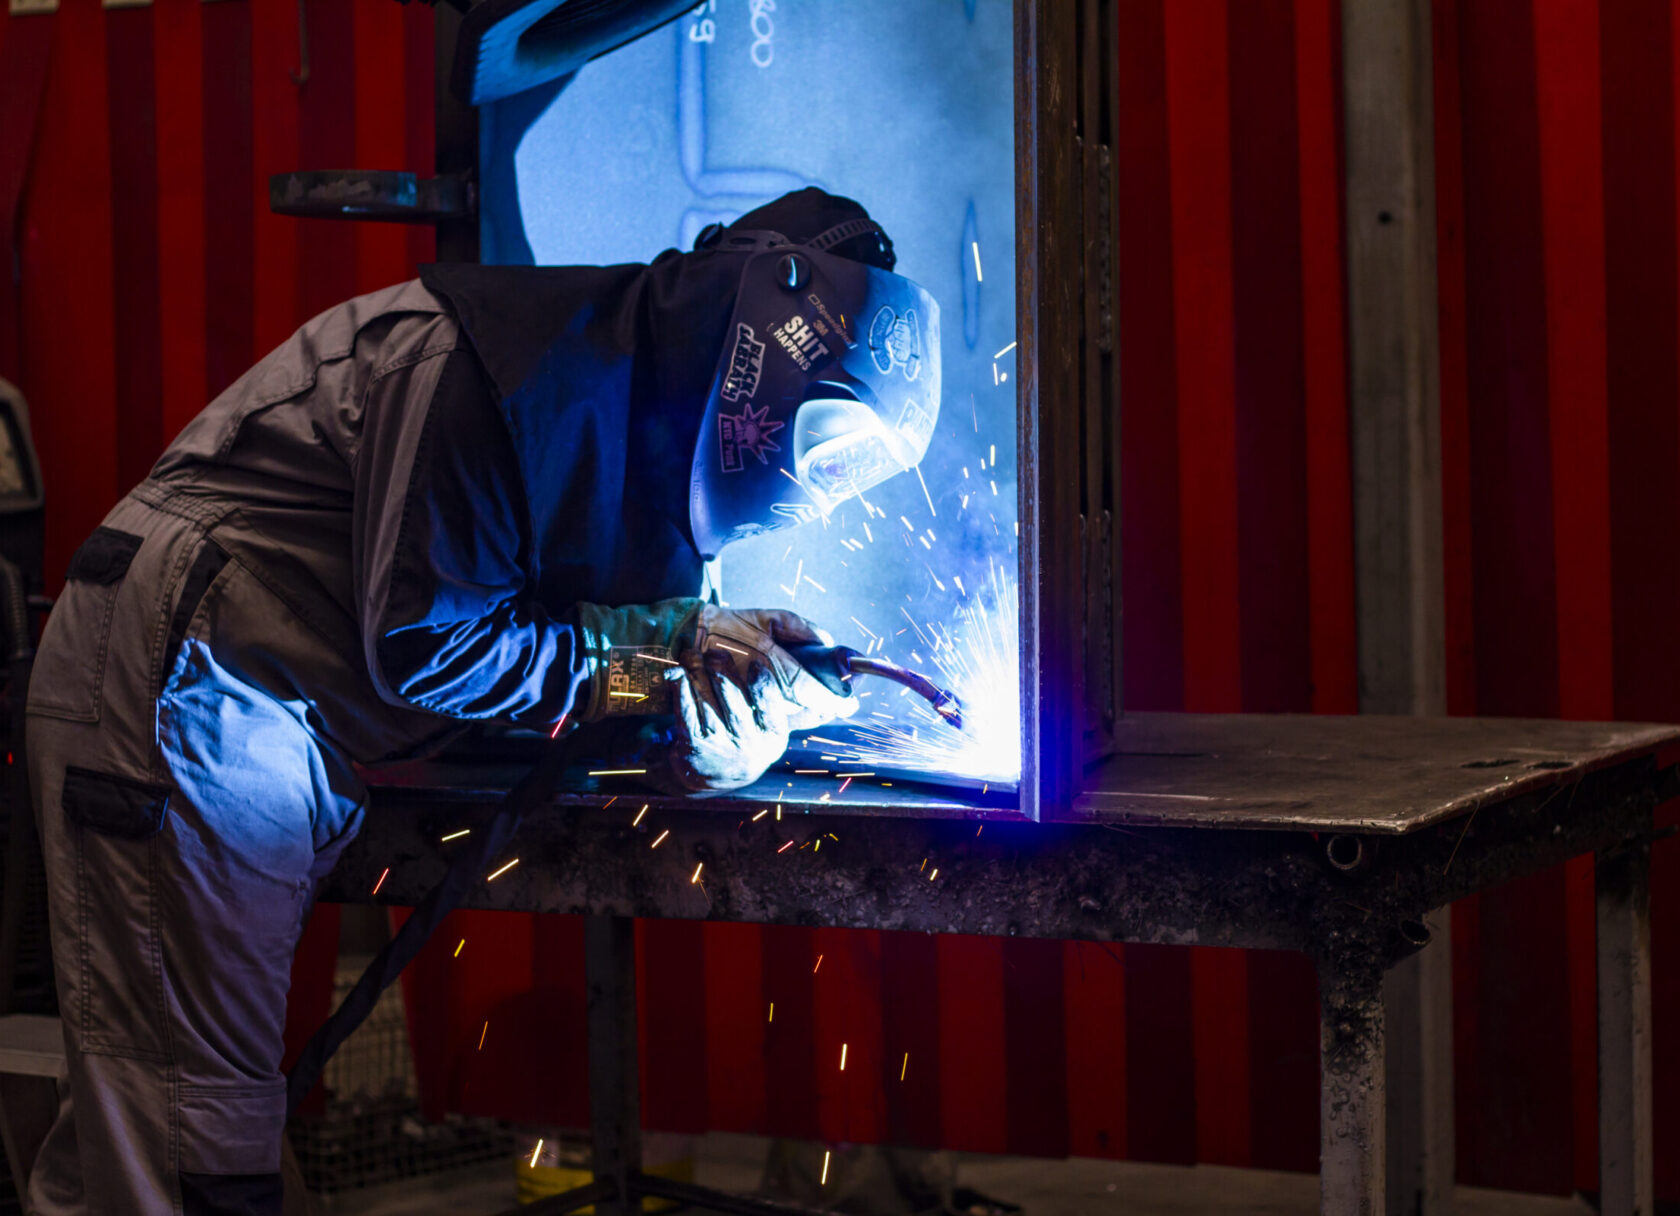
(827, 384)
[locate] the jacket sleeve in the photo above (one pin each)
(442, 535)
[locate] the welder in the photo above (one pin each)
(485, 495)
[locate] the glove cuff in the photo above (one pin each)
(628, 651)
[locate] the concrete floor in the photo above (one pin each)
(1075, 1187)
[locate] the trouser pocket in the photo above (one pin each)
(69, 675)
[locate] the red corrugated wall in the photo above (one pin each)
(151, 274)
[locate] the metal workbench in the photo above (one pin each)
(1336, 836)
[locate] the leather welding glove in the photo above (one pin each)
(748, 642)
(724, 736)
(629, 651)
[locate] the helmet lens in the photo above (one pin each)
(841, 448)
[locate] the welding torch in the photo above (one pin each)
(835, 666)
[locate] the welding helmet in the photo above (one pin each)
(827, 384)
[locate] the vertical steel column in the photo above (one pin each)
(615, 1101)
(1353, 1095)
(1394, 422)
(1626, 1158)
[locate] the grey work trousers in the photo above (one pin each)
(186, 812)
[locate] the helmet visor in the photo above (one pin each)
(841, 448)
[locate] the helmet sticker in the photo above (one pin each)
(746, 364)
(746, 432)
(802, 345)
(893, 342)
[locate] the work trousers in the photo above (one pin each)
(186, 812)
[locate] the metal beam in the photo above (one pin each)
(615, 1104)
(1394, 423)
(1626, 1160)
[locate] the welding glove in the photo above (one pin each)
(748, 642)
(629, 651)
(724, 736)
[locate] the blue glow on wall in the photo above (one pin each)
(906, 106)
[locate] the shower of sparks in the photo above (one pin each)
(503, 870)
(536, 1152)
(978, 659)
(455, 835)
(382, 879)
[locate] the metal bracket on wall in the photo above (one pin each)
(372, 194)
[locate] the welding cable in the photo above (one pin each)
(465, 872)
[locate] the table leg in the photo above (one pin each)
(615, 1116)
(1417, 997)
(1353, 1131)
(1625, 1154)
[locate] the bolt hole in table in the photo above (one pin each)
(1341, 837)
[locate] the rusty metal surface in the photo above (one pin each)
(1362, 774)
(1268, 889)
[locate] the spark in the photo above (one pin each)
(819, 738)
(849, 776)
(455, 835)
(556, 731)
(772, 1016)
(661, 839)
(1004, 351)
(957, 579)
(786, 846)
(634, 696)
(823, 1181)
(503, 870)
(481, 1035)
(904, 1067)
(609, 802)
(992, 459)
(995, 374)
(653, 658)
(381, 881)
(761, 814)
(925, 493)
(614, 772)
(979, 829)
(816, 584)
(458, 946)
(867, 631)
(696, 878)
(924, 541)
(868, 533)
(908, 526)
(975, 245)
(994, 487)
(844, 784)
(728, 647)
(842, 1057)
(536, 1152)
(637, 821)
(934, 875)
(810, 770)
(819, 964)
